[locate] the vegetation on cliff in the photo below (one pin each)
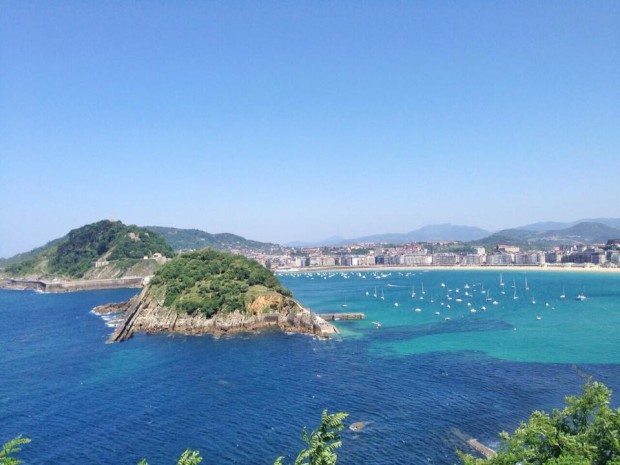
(209, 281)
(585, 432)
(75, 254)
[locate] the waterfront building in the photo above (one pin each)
(500, 259)
(445, 259)
(506, 248)
(529, 258)
(474, 259)
(417, 259)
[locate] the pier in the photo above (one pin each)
(342, 316)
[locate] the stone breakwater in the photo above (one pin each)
(144, 313)
(70, 285)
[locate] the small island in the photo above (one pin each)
(212, 292)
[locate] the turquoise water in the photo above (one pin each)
(538, 326)
(244, 400)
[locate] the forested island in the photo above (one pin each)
(216, 293)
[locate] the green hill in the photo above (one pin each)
(115, 245)
(195, 239)
(210, 281)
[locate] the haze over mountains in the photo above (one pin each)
(543, 233)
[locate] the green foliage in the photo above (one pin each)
(585, 432)
(209, 281)
(322, 443)
(10, 449)
(74, 254)
(188, 457)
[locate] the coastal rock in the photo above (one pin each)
(144, 313)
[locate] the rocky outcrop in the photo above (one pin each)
(144, 313)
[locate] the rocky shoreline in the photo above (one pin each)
(145, 314)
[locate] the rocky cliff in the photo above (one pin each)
(144, 313)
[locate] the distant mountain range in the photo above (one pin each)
(586, 232)
(433, 232)
(195, 239)
(544, 234)
(555, 225)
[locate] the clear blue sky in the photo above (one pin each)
(300, 120)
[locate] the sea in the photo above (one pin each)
(444, 355)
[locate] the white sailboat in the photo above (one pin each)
(382, 295)
(423, 291)
(375, 294)
(527, 288)
(514, 295)
(563, 294)
(501, 280)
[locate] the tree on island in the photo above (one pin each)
(585, 432)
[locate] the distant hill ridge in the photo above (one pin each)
(195, 239)
(433, 232)
(580, 233)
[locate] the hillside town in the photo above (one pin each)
(442, 254)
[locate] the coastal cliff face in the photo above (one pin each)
(144, 313)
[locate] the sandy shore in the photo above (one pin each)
(506, 268)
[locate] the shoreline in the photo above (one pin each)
(60, 286)
(507, 268)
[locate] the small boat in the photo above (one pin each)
(423, 291)
(483, 308)
(466, 286)
(443, 284)
(367, 293)
(377, 324)
(418, 310)
(459, 300)
(563, 294)
(382, 295)
(437, 313)
(412, 292)
(527, 288)
(539, 317)
(501, 281)
(495, 302)
(515, 296)
(473, 310)
(395, 304)
(533, 300)
(581, 297)
(375, 294)
(447, 318)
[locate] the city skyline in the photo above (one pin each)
(296, 124)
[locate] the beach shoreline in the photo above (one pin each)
(500, 268)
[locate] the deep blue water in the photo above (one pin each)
(245, 399)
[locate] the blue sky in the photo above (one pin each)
(300, 120)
